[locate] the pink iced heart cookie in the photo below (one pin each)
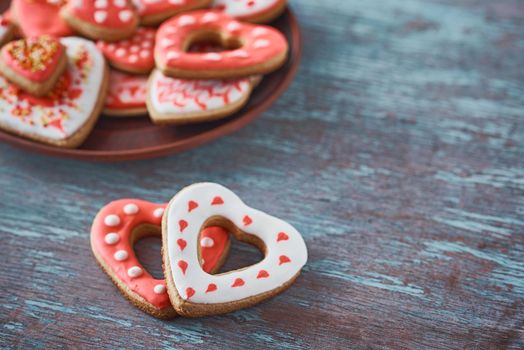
(253, 49)
(66, 115)
(109, 20)
(133, 55)
(117, 227)
(33, 64)
(179, 101)
(255, 11)
(40, 17)
(6, 30)
(193, 292)
(153, 12)
(127, 95)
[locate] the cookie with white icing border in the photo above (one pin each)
(67, 114)
(126, 96)
(154, 12)
(193, 292)
(115, 230)
(254, 11)
(181, 101)
(252, 49)
(109, 20)
(7, 30)
(33, 64)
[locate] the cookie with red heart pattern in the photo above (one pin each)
(33, 64)
(109, 20)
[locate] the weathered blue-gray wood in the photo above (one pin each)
(398, 152)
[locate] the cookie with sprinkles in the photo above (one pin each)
(67, 114)
(154, 12)
(7, 30)
(120, 224)
(184, 101)
(109, 20)
(133, 55)
(126, 96)
(254, 11)
(33, 64)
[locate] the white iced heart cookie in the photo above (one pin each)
(180, 101)
(67, 114)
(194, 292)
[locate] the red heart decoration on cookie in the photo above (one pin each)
(239, 282)
(247, 220)
(217, 201)
(182, 224)
(191, 205)
(282, 237)
(183, 266)
(190, 292)
(283, 259)
(181, 243)
(211, 288)
(262, 274)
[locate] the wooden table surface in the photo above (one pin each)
(398, 152)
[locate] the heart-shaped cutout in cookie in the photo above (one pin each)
(193, 292)
(34, 64)
(121, 223)
(66, 115)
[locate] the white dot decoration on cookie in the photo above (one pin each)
(261, 43)
(121, 255)
(158, 212)
(159, 289)
(112, 220)
(207, 242)
(186, 20)
(112, 238)
(134, 271)
(100, 16)
(213, 56)
(131, 209)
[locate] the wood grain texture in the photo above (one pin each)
(398, 152)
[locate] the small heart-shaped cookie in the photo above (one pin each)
(117, 227)
(40, 17)
(153, 12)
(109, 20)
(127, 95)
(193, 292)
(34, 64)
(180, 101)
(67, 114)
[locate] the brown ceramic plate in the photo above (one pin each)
(137, 138)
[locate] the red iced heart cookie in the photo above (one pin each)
(156, 11)
(134, 55)
(256, 49)
(66, 115)
(235, 289)
(126, 96)
(109, 20)
(115, 230)
(40, 17)
(255, 11)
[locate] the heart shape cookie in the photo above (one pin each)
(193, 292)
(68, 113)
(133, 55)
(109, 20)
(254, 49)
(40, 17)
(34, 64)
(254, 11)
(127, 95)
(120, 224)
(153, 12)
(179, 101)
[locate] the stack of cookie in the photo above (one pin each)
(184, 61)
(195, 228)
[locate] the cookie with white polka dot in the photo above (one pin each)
(133, 55)
(109, 20)
(120, 224)
(154, 12)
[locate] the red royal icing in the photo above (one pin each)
(112, 244)
(247, 220)
(136, 52)
(283, 259)
(40, 17)
(118, 14)
(263, 274)
(217, 201)
(126, 91)
(282, 236)
(191, 205)
(260, 43)
(35, 59)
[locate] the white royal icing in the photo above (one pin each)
(78, 109)
(262, 225)
(178, 96)
(244, 8)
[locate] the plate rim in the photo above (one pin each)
(181, 145)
